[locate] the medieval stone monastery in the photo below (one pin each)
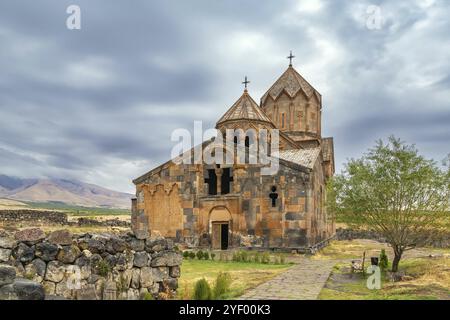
(226, 206)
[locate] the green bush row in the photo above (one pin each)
(200, 255)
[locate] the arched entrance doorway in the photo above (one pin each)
(220, 224)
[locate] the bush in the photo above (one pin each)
(103, 268)
(200, 255)
(213, 255)
(282, 259)
(244, 256)
(222, 285)
(257, 257)
(192, 255)
(202, 290)
(206, 255)
(265, 259)
(147, 296)
(383, 260)
(185, 254)
(277, 259)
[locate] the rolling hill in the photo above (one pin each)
(65, 191)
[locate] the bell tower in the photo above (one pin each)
(295, 107)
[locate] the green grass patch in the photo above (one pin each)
(425, 279)
(244, 275)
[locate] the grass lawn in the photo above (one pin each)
(426, 278)
(244, 275)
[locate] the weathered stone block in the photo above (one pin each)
(61, 237)
(146, 277)
(46, 251)
(68, 254)
(55, 271)
(28, 290)
(7, 275)
(87, 293)
(30, 235)
(7, 242)
(5, 254)
(141, 259)
(23, 253)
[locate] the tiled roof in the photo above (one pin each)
(245, 109)
(303, 157)
(291, 82)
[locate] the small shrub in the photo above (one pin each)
(257, 257)
(122, 284)
(282, 259)
(103, 268)
(244, 256)
(192, 255)
(277, 260)
(265, 259)
(185, 254)
(222, 285)
(206, 255)
(383, 260)
(200, 255)
(202, 290)
(213, 255)
(147, 296)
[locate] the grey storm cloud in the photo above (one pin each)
(99, 104)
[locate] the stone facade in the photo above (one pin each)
(88, 267)
(223, 206)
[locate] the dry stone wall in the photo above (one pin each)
(92, 266)
(53, 217)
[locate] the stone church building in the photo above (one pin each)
(226, 206)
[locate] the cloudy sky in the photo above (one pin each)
(99, 104)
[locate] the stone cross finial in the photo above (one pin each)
(246, 82)
(290, 57)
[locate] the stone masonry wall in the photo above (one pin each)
(54, 217)
(92, 266)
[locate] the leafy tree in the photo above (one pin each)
(395, 192)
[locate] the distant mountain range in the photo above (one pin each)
(70, 192)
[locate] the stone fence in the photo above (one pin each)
(56, 217)
(442, 241)
(92, 266)
(53, 217)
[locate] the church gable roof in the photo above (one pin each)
(245, 108)
(303, 157)
(292, 83)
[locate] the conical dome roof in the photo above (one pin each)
(245, 109)
(292, 83)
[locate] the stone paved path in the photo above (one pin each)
(304, 281)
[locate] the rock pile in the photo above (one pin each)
(91, 266)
